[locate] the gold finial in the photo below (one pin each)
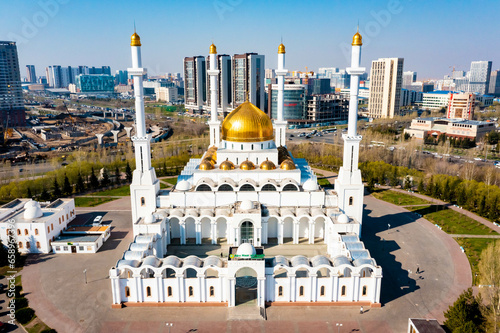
(357, 39)
(281, 49)
(247, 96)
(213, 49)
(135, 40)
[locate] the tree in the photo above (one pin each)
(94, 182)
(67, 188)
(56, 190)
(29, 195)
(80, 185)
(446, 191)
(105, 178)
(489, 270)
(44, 196)
(482, 205)
(420, 187)
(128, 172)
(430, 186)
(117, 175)
(394, 178)
(465, 314)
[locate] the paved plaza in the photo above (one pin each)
(56, 288)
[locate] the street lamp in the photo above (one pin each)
(85, 275)
(338, 327)
(169, 325)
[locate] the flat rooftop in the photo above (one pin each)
(76, 239)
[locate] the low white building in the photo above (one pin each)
(81, 239)
(35, 224)
(166, 94)
(436, 100)
(457, 128)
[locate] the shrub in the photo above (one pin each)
(49, 330)
(25, 315)
(20, 302)
(17, 291)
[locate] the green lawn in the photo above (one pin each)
(91, 202)
(473, 248)
(451, 221)
(163, 186)
(122, 191)
(171, 180)
(397, 198)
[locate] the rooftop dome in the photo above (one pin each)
(310, 185)
(357, 40)
(343, 218)
(247, 123)
(226, 165)
(33, 210)
(287, 165)
(149, 218)
(183, 185)
(246, 205)
(267, 165)
(206, 164)
(247, 165)
(246, 249)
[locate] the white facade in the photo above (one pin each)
(385, 87)
(166, 94)
(435, 100)
(35, 224)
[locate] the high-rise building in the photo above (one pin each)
(121, 77)
(461, 106)
(248, 78)
(270, 74)
(195, 93)
(317, 86)
(327, 108)
(385, 87)
(294, 102)
(479, 77)
(11, 95)
(54, 76)
(31, 73)
(408, 78)
(494, 88)
(224, 83)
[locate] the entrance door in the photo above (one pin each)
(73, 249)
(246, 292)
(246, 232)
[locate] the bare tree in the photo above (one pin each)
(489, 268)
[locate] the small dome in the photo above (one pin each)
(33, 211)
(310, 185)
(183, 185)
(247, 123)
(287, 165)
(357, 39)
(212, 157)
(213, 49)
(206, 164)
(149, 218)
(267, 165)
(226, 165)
(135, 40)
(343, 218)
(246, 205)
(31, 203)
(247, 165)
(281, 49)
(246, 249)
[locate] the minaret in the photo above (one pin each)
(214, 124)
(280, 123)
(348, 185)
(144, 185)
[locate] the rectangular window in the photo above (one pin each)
(90, 248)
(81, 248)
(58, 248)
(65, 248)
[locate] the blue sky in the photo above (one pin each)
(430, 35)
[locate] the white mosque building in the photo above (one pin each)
(246, 191)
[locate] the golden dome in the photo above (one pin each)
(206, 165)
(267, 165)
(356, 39)
(247, 165)
(247, 123)
(226, 165)
(135, 40)
(211, 158)
(287, 165)
(281, 49)
(213, 49)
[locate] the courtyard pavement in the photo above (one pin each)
(56, 288)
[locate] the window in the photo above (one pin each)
(280, 291)
(58, 248)
(127, 292)
(342, 293)
(48, 229)
(191, 291)
(322, 291)
(66, 216)
(90, 248)
(51, 226)
(203, 188)
(143, 201)
(59, 220)
(19, 232)
(169, 291)
(28, 245)
(241, 147)
(81, 248)
(301, 291)
(268, 187)
(225, 187)
(252, 146)
(20, 245)
(351, 199)
(63, 218)
(36, 231)
(212, 291)
(65, 248)
(261, 146)
(290, 187)
(247, 187)
(148, 291)
(25, 231)
(37, 245)
(364, 291)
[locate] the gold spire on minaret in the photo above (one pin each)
(135, 40)
(357, 39)
(281, 49)
(213, 49)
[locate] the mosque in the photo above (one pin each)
(247, 191)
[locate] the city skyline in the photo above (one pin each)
(311, 32)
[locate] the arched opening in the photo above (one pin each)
(343, 291)
(206, 228)
(319, 229)
(287, 229)
(19, 232)
(322, 291)
(280, 291)
(37, 245)
(143, 201)
(281, 273)
(36, 231)
(323, 272)
(148, 291)
(303, 229)
(127, 292)
(246, 232)
(168, 273)
(364, 291)
(190, 227)
(20, 245)
(211, 273)
(246, 286)
(212, 291)
(247, 187)
(190, 291)
(25, 231)
(268, 187)
(169, 292)
(301, 291)
(175, 231)
(125, 273)
(272, 230)
(28, 245)
(302, 273)
(366, 272)
(346, 272)
(190, 273)
(203, 188)
(226, 187)
(290, 187)
(351, 200)
(222, 229)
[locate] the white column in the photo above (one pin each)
(293, 288)
(222, 292)
(181, 287)
(197, 225)
(258, 241)
(182, 227)
(296, 232)
(377, 289)
(99, 138)
(231, 292)
(261, 291)
(159, 286)
(314, 287)
(214, 124)
(201, 288)
(355, 287)
(128, 130)
(311, 231)
(115, 135)
(213, 232)
(265, 235)
(280, 232)
(335, 288)
(138, 288)
(280, 124)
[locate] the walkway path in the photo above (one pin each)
(474, 236)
